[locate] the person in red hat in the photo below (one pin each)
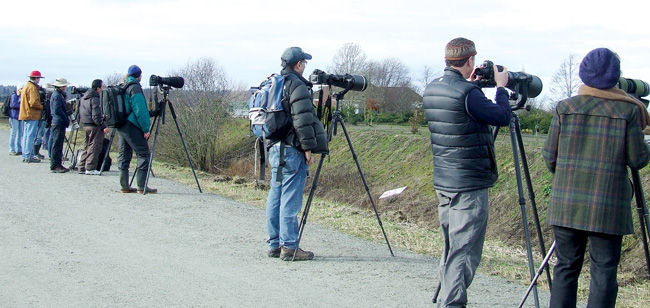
(30, 113)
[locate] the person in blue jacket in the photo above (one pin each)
(15, 139)
(134, 134)
(60, 121)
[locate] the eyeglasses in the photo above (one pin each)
(304, 62)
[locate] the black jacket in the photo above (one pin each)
(463, 148)
(90, 110)
(308, 133)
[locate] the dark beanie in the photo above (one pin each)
(134, 71)
(601, 69)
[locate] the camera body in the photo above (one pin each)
(519, 82)
(347, 81)
(78, 90)
(175, 82)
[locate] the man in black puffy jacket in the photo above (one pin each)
(307, 138)
(60, 122)
(459, 117)
(92, 118)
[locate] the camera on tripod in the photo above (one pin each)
(347, 81)
(78, 90)
(174, 82)
(636, 87)
(520, 83)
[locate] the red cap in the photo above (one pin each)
(35, 74)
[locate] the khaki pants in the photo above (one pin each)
(463, 221)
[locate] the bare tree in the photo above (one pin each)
(426, 76)
(349, 59)
(114, 79)
(565, 81)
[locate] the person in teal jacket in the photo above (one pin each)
(134, 134)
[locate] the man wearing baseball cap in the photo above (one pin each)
(306, 138)
(30, 113)
(593, 138)
(459, 117)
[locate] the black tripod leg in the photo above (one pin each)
(363, 178)
(108, 149)
(153, 149)
(531, 196)
(435, 294)
(642, 210)
(539, 272)
(305, 212)
(180, 134)
(522, 204)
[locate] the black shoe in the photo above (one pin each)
(60, 169)
(274, 252)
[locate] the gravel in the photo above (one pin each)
(71, 240)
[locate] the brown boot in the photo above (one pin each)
(126, 190)
(149, 190)
(301, 255)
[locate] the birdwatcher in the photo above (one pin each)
(92, 119)
(464, 166)
(593, 138)
(15, 138)
(307, 138)
(31, 107)
(60, 121)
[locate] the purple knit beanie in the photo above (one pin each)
(601, 69)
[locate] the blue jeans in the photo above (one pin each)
(16, 137)
(29, 133)
(605, 254)
(285, 200)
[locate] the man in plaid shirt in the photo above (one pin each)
(592, 140)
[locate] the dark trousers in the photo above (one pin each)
(93, 148)
(132, 139)
(605, 253)
(58, 137)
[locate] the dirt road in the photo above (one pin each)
(71, 240)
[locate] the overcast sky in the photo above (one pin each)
(84, 40)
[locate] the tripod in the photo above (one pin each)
(337, 117)
(161, 118)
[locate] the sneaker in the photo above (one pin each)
(12, 154)
(149, 190)
(82, 171)
(274, 252)
(301, 255)
(32, 160)
(128, 190)
(92, 172)
(60, 169)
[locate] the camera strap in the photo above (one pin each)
(278, 174)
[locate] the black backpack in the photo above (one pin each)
(114, 106)
(6, 108)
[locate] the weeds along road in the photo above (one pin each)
(71, 240)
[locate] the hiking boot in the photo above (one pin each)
(19, 153)
(274, 252)
(12, 154)
(60, 169)
(32, 160)
(128, 190)
(149, 190)
(40, 156)
(82, 171)
(92, 172)
(301, 255)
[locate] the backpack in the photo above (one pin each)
(114, 106)
(268, 119)
(6, 108)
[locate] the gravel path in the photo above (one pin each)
(71, 240)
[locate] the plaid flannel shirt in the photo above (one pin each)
(590, 143)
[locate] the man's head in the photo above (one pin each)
(135, 72)
(97, 85)
(459, 54)
(295, 58)
(601, 69)
(35, 77)
(61, 83)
